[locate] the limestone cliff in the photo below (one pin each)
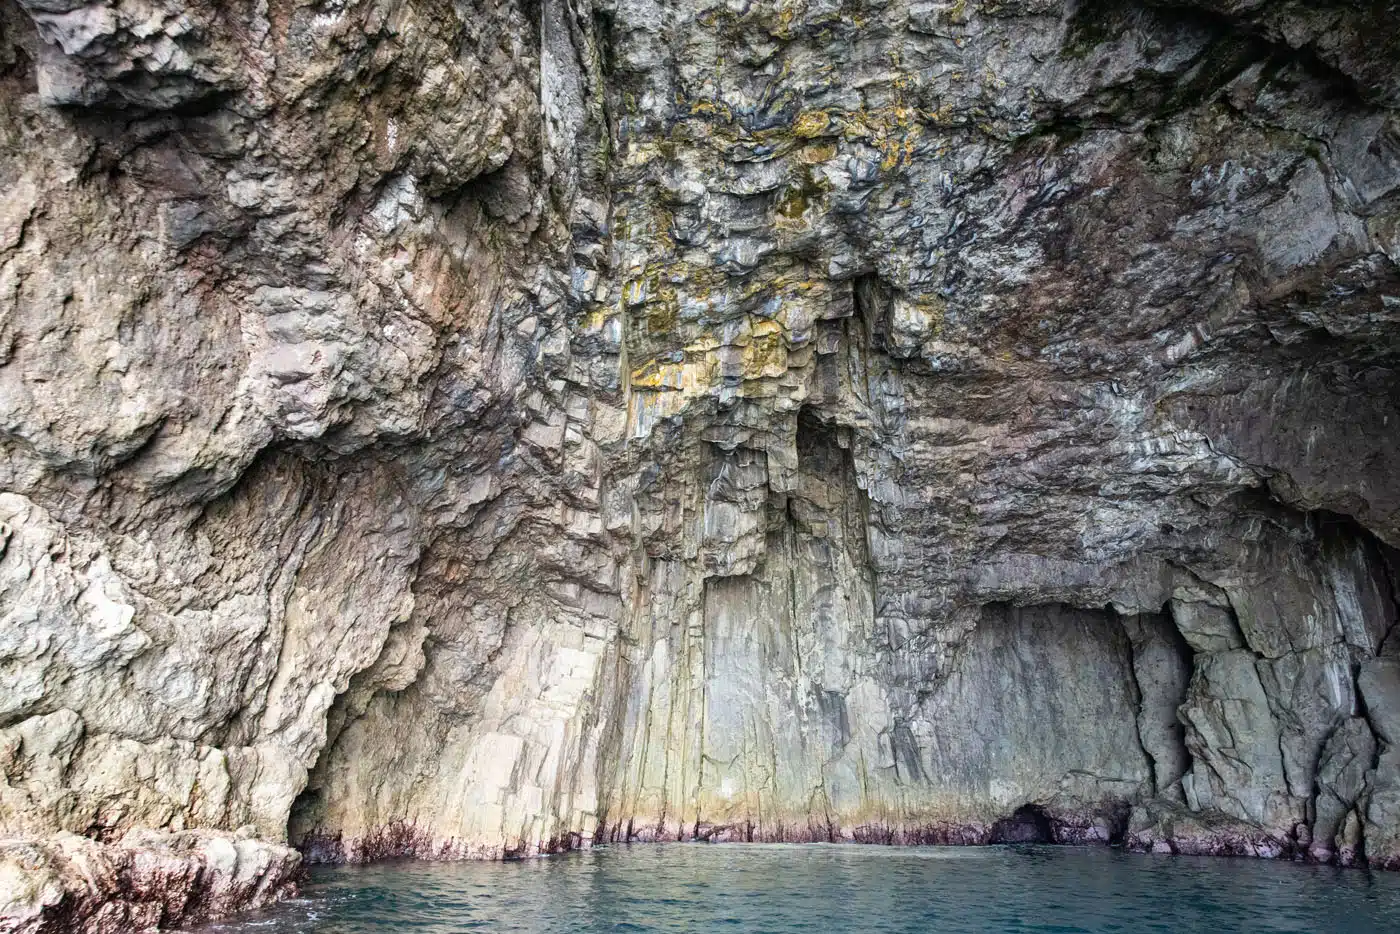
(485, 427)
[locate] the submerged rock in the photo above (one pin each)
(483, 429)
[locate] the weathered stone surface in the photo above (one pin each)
(147, 881)
(482, 428)
(1162, 671)
(1342, 781)
(1163, 827)
(1380, 687)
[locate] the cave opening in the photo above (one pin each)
(1029, 823)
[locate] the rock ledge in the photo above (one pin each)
(148, 881)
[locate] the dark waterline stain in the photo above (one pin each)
(787, 889)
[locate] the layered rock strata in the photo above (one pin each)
(480, 429)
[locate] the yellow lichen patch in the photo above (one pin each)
(711, 108)
(935, 306)
(661, 390)
(689, 376)
(635, 292)
(650, 375)
(704, 344)
(597, 319)
(641, 153)
(661, 314)
(942, 116)
(792, 205)
(816, 153)
(898, 152)
(894, 130)
(793, 280)
(765, 353)
(811, 123)
(781, 28)
(804, 189)
(665, 279)
(764, 328)
(900, 117)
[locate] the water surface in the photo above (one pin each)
(743, 888)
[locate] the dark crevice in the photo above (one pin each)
(1028, 824)
(908, 768)
(16, 67)
(872, 302)
(1186, 656)
(1134, 649)
(1238, 41)
(504, 194)
(1119, 818)
(603, 32)
(1158, 632)
(1380, 562)
(1224, 53)
(1378, 749)
(1306, 55)
(1390, 562)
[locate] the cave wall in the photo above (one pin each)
(476, 428)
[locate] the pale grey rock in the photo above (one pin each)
(1379, 682)
(1233, 738)
(1341, 779)
(1162, 671)
(485, 428)
(1207, 628)
(147, 881)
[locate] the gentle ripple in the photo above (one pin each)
(744, 888)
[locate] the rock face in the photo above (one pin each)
(484, 428)
(147, 881)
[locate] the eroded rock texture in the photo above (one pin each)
(475, 428)
(150, 880)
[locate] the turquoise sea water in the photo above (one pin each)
(744, 888)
